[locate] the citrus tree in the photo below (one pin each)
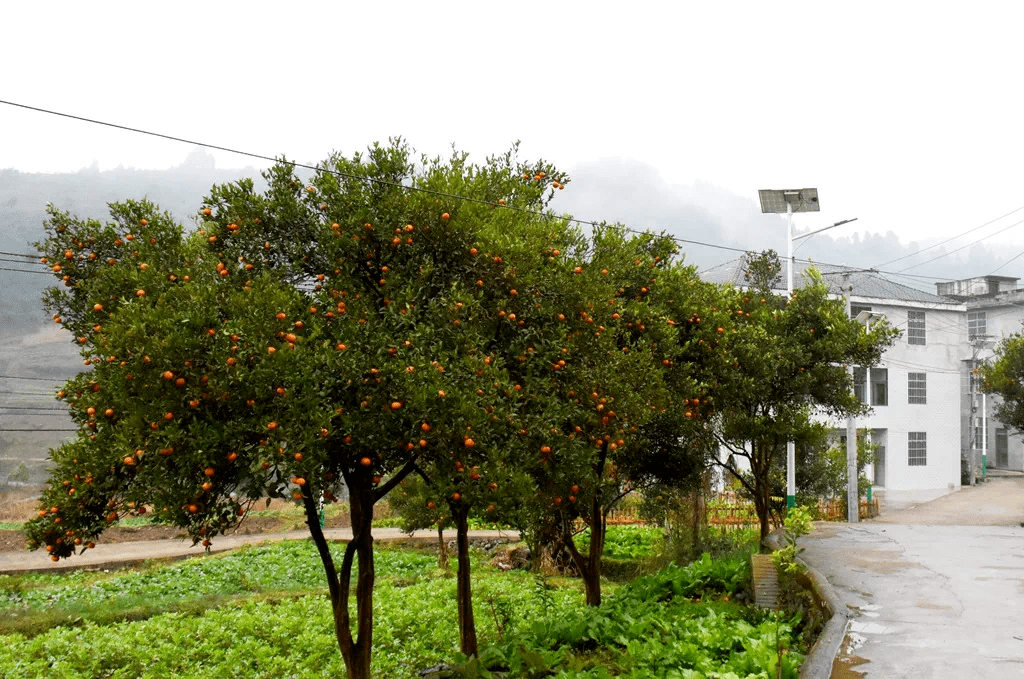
(787, 363)
(625, 361)
(1004, 377)
(329, 332)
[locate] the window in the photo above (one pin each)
(860, 379)
(976, 326)
(917, 388)
(857, 308)
(917, 449)
(879, 387)
(915, 327)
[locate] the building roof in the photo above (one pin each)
(865, 283)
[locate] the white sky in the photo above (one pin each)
(906, 115)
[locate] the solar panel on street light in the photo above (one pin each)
(802, 200)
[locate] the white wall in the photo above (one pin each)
(940, 418)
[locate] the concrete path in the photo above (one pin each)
(126, 554)
(936, 590)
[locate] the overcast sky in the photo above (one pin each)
(906, 115)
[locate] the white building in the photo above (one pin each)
(995, 307)
(918, 393)
(915, 392)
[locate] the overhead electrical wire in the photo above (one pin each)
(964, 247)
(314, 168)
(972, 230)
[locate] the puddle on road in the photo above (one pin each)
(842, 666)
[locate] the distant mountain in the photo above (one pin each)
(86, 193)
(713, 223)
(635, 194)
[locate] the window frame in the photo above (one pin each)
(977, 320)
(917, 333)
(917, 394)
(879, 388)
(917, 449)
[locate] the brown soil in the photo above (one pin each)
(255, 524)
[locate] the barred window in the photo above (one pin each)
(915, 327)
(917, 388)
(976, 325)
(917, 449)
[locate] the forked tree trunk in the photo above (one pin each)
(467, 625)
(354, 650)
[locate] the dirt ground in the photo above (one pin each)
(278, 517)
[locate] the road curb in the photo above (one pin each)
(818, 663)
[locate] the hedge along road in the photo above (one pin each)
(128, 554)
(934, 590)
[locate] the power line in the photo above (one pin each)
(384, 182)
(963, 247)
(953, 238)
(24, 271)
(344, 174)
(41, 431)
(54, 410)
(34, 258)
(39, 379)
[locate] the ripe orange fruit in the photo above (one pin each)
(272, 425)
(168, 416)
(299, 481)
(109, 412)
(232, 456)
(209, 471)
(431, 505)
(298, 457)
(129, 461)
(456, 496)
(469, 443)
(366, 462)
(445, 217)
(396, 405)
(192, 509)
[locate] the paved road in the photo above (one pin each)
(937, 589)
(125, 554)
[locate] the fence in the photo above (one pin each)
(730, 512)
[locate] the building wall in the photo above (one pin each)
(1003, 317)
(940, 359)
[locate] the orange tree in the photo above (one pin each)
(1004, 377)
(325, 334)
(787, 363)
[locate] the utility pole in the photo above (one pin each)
(852, 491)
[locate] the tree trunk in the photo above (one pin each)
(442, 548)
(590, 565)
(467, 626)
(355, 651)
(761, 470)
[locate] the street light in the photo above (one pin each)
(789, 201)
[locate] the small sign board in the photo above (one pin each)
(766, 582)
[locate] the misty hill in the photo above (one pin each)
(634, 193)
(702, 215)
(86, 193)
